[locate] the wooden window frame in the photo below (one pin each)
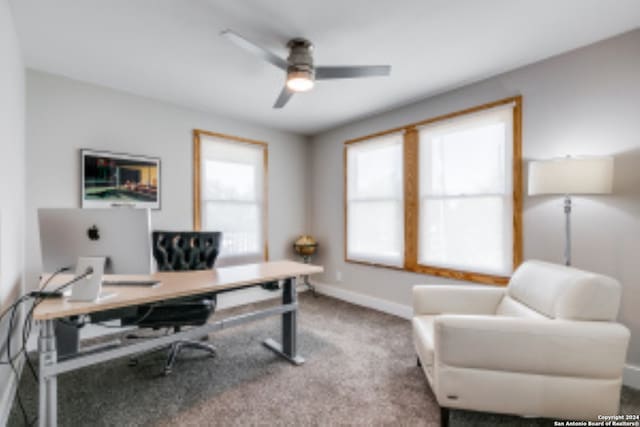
(411, 196)
(197, 185)
(346, 206)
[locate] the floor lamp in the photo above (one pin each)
(570, 176)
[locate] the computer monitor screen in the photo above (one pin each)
(122, 236)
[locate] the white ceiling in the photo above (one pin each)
(171, 50)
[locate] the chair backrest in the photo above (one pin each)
(186, 250)
(541, 289)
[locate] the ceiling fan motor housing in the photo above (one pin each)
(300, 56)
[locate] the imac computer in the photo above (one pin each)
(113, 241)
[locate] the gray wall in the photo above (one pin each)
(12, 188)
(64, 115)
(585, 102)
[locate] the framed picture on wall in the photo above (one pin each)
(117, 180)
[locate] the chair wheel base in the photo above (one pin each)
(178, 346)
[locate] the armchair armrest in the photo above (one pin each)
(535, 346)
(456, 299)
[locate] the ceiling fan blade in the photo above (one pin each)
(283, 98)
(326, 73)
(247, 45)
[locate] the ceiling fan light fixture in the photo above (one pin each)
(300, 81)
(301, 72)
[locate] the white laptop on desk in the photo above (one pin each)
(78, 238)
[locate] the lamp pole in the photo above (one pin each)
(567, 229)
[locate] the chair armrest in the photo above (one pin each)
(456, 299)
(536, 346)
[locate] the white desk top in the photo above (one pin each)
(174, 285)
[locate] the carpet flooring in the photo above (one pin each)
(360, 370)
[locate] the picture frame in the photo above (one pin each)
(111, 180)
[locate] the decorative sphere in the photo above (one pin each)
(305, 245)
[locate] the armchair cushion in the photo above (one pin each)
(563, 348)
(511, 307)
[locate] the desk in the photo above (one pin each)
(174, 285)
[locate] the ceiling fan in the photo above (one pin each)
(299, 67)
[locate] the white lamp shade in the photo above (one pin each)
(571, 175)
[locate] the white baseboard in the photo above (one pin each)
(9, 392)
(6, 400)
(400, 310)
(631, 376)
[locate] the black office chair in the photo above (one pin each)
(181, 251)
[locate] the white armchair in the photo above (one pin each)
(547, 345)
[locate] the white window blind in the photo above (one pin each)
(232, 196)
(466, 193)
(375, 207)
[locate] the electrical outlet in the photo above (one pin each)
(338, 276)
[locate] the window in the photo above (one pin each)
(465, 187)
(230, 194)
(375, 205)
(441, 197)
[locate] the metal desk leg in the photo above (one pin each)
(48, 384)
(288, 348)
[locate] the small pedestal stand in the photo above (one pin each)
(305, 279)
